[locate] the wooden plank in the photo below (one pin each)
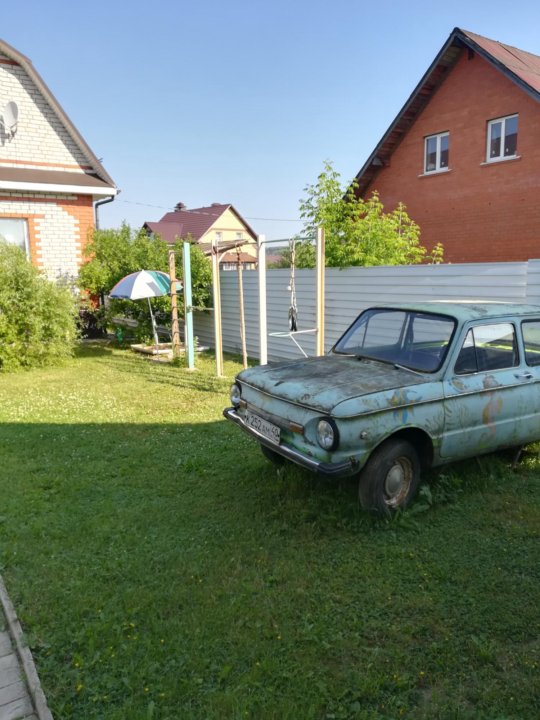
(9, 677)
(5, 644)
(17, 710)
(8, 661)
(10, 693)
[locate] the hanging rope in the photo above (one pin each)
(293, 310)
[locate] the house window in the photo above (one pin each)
(502, 138)
(15, 232)
(219, 237)
(436, 153)
(239, 235)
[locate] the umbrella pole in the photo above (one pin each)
(154, 329)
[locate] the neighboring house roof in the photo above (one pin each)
(196, 223)
(520, 67)
(28, 67)
(234, 257)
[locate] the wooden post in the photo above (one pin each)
(189, 340)
(175, 331)
(218, 341)
(241, 303)
(263, 332)
(320, 291)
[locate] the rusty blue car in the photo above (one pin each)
(406, 388)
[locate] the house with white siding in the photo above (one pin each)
(50, 180)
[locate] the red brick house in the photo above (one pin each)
(463, 154)
(50, 180)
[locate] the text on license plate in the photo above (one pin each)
(268, 429)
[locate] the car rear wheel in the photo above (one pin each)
(273, 456)
(390, 478)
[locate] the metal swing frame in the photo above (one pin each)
(293, 331)
(319, 330)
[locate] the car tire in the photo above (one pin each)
(390, 479)
(274, 457)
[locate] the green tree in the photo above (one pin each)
(113, 254)
(358, 231)
(37, 316)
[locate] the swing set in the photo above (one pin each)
(293, 332)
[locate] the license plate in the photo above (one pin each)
(268, 429)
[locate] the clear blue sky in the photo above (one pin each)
(240, 101)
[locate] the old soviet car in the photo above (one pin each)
(405, 388)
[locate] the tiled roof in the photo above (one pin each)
(524, 65)
(195, 222)
(521, 67)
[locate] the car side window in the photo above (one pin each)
(488, 347)
(531, 340)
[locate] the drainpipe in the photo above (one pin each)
(96, 205)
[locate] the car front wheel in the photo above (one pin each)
(390, 478)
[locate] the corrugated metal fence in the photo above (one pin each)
(349, 291)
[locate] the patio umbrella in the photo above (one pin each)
(140, 285)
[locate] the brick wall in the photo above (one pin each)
(58, 227)
(41, 139)
(480, 211)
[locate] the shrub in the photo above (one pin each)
(113, 254)
(37, 317)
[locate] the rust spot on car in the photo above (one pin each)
(491, 411)
(490, 383)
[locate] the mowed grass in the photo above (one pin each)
(162, 568)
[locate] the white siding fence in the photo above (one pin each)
(351, 290)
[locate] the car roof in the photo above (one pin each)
(465, 310)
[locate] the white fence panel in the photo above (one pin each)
(351, 290)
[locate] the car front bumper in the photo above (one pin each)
(332, 470)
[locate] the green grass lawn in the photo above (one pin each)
(161, 568)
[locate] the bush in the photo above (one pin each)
(113, 254)
(37, 317)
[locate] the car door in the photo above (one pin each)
(487, 393)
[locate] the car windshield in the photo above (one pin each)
(415, 340)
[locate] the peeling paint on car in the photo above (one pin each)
(370, 400)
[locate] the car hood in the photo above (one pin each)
(322, 383)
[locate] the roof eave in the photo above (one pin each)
(425, 78)
(458, 39)
(95, 191)
(29, 68)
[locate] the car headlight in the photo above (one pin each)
(327, 434)
(236, 394)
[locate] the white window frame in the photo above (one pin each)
(501, 157)
(25, 226)
(438, 168)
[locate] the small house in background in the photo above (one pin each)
(50, 180)
(222, 224)
(463, 153)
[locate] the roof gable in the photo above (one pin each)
(27, 79)
(520, 67)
